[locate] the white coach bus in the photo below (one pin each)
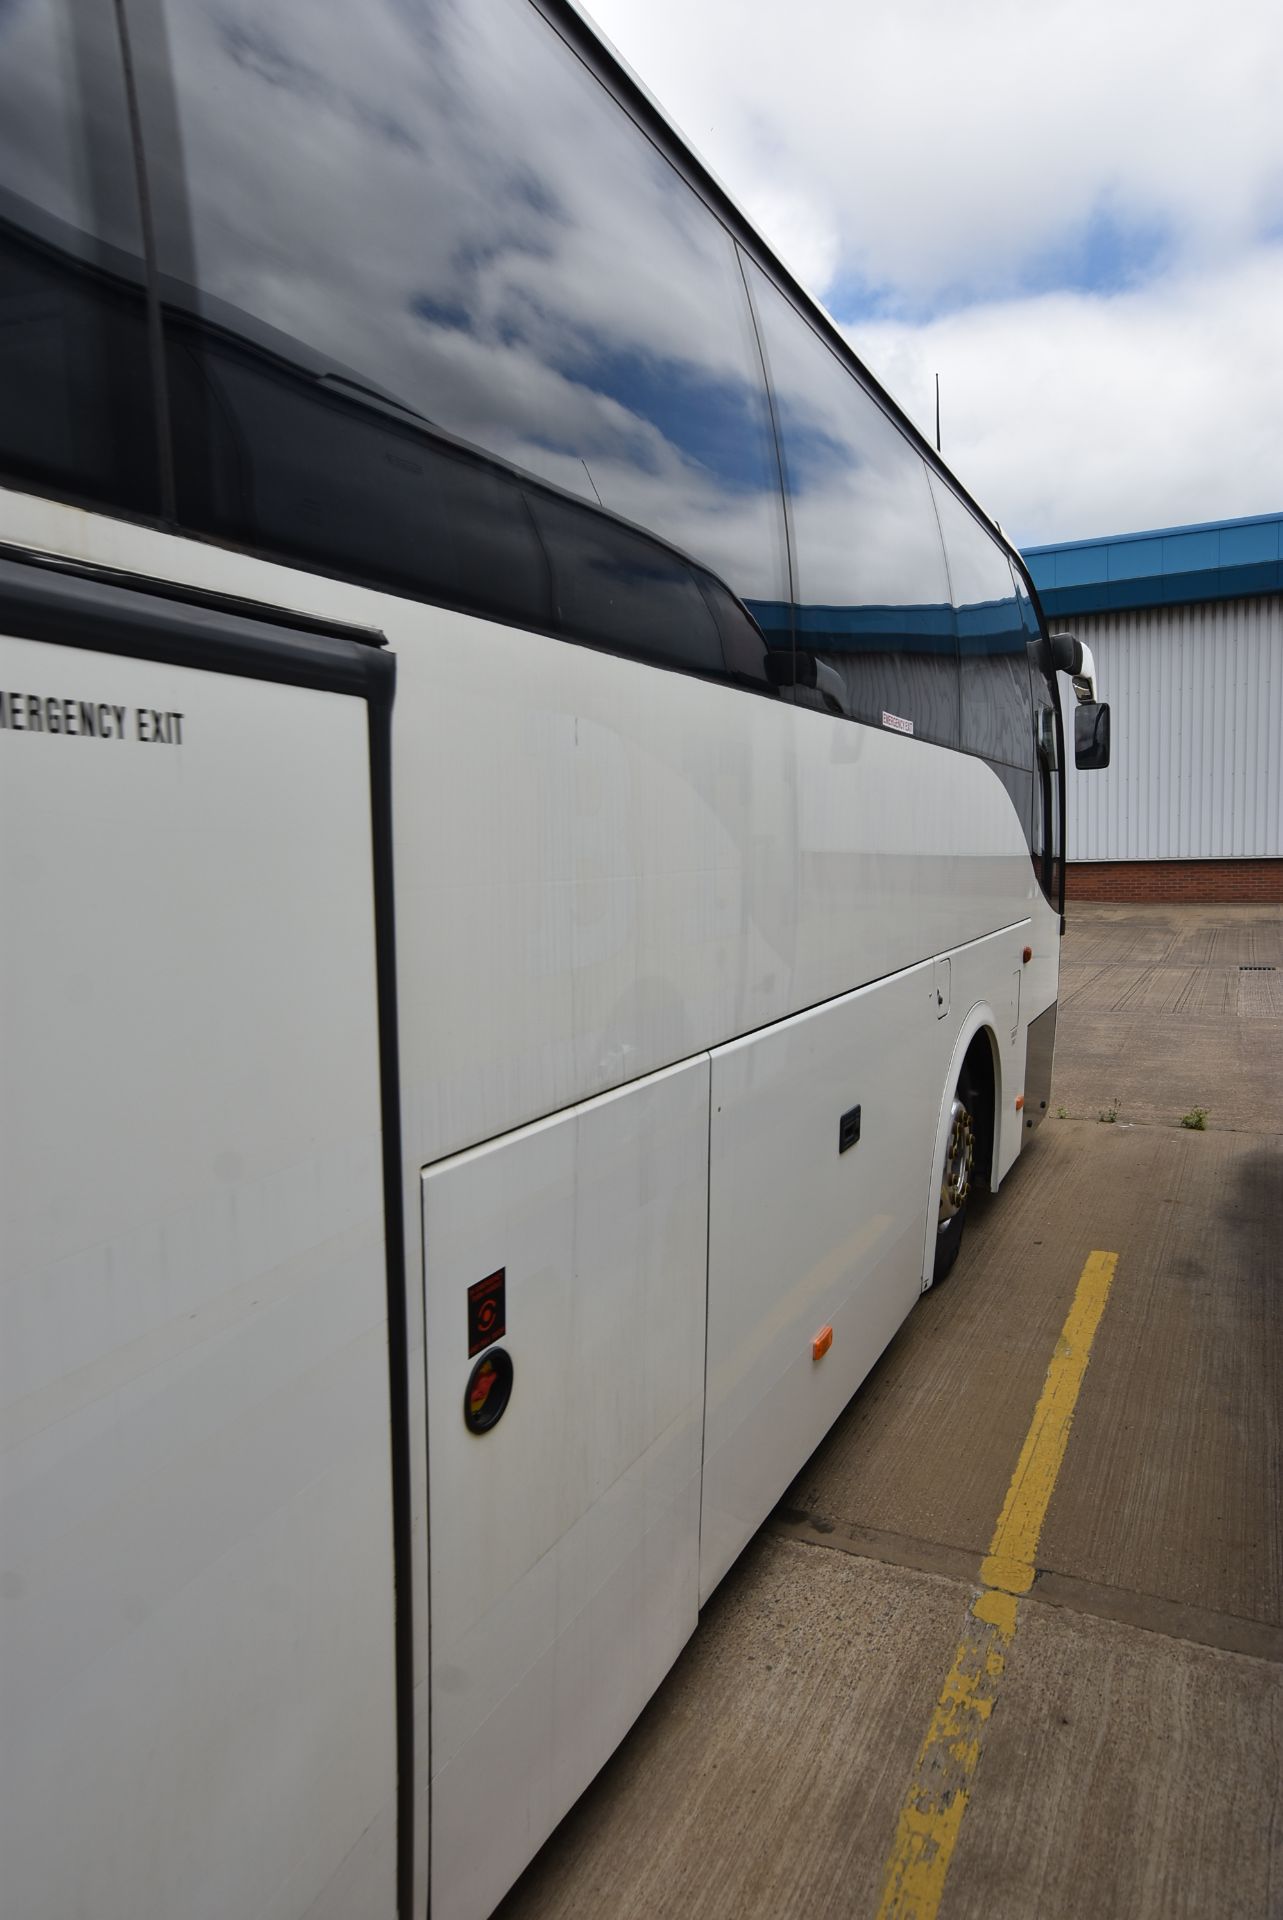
(531, 870)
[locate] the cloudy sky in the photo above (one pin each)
(1074, 213)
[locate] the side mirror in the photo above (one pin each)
(1091, 736)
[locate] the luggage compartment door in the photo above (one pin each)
(196, 1528)
(819, 1163)
(565, 1534)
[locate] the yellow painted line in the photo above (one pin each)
(931, 1817)
(1009, 1563)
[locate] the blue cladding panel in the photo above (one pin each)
(1249, 545)
(1186, 552)
(1220, 560)
(1074, 567)
(1134, 559)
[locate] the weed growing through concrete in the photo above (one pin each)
(1196, 1119)
(1110, 1114)
(1062, 1113)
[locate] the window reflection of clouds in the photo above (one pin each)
(978, 569)
(75, 389)
(63, 120)
(865, 534)
(996, 712)
(457, 212)
(873, 607)
(38, 156)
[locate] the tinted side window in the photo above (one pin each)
(75, 394)
(870, 590)
(281, 461)
(996, 719)
(432, 224)
(616, 587)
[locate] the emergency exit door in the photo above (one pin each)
(196, 1513)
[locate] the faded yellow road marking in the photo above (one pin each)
(1010, 1560)
(931, 1816)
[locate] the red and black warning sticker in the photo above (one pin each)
(486, 1311)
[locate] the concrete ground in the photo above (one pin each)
(1131, 1766)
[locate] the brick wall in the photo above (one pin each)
(1193, 880)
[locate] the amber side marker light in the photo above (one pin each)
(1020, 1101)
(821, 1343)
(1028, 955)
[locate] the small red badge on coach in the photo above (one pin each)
(486, 1312)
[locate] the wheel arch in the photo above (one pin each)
(977, 1035)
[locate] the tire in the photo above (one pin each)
(957, 1176)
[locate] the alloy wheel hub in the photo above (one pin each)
(959, 1160)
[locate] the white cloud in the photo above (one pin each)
(940, 139)
(1071, 415)
(987, 166)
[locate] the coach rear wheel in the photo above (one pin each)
(956, 1179)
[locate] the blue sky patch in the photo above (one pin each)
(716, 424)
(1103, 254)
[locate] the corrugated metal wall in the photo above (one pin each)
(1196, 694)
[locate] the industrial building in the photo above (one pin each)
(1186, 625)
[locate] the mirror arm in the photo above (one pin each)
(1070, 655)
(1084, 681)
